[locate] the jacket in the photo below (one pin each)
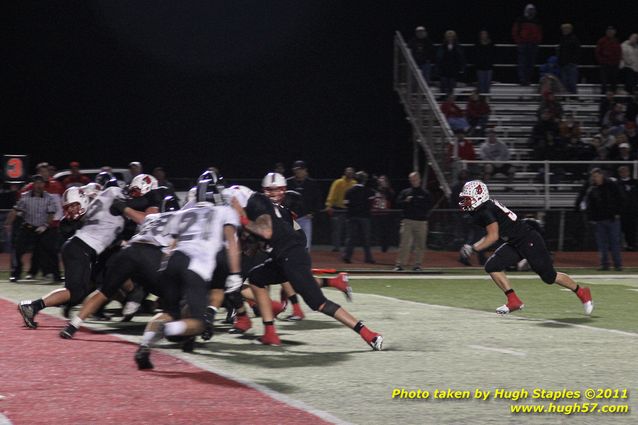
(568, 50)
(527, 30)
(608, 51)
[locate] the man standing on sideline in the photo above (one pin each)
(629, 214)
(608, 55)
(76, 178)
(135, 168)
(603, 203)
(310, 197)
(416, 204)
(335, 207)
(359, 203)
(37, 208)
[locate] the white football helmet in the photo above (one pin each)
(91, 190)
(74, 202)
(242, 193)
(274, 186)
(473, 195)
(141, 185)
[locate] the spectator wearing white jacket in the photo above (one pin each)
(629, 63)
(496, 151)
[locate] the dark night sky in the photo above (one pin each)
(238, 84)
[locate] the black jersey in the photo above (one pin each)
(510, 228)
(286, 233)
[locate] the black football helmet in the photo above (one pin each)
(106, 179)
(209, 188)
(169, 203)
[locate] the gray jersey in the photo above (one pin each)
(100, 226)
(152, 230)
(199, 232)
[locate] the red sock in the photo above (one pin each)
(367, 334)
(512, 298)
(337, 282)
(269, 329)
(296, 310)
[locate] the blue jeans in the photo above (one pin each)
(569, 77)
(305, 223)
(608, 239)
(526, 62)
(426, 70)
(484, 80)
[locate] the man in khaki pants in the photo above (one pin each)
(416, 204)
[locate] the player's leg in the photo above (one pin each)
(260, 277)
(297, 269)
(504, 257)
(537, 255)
(77, 257)
(288, 293)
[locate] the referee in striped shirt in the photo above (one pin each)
(36, 208)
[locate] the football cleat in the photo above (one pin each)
(585, 296)
(269, 339)
(68, 331)
(129, 310)
(509, 308)
(143, 358)
(241, 325)
(377, 343)
(28, 314)
(209, 318)
(295, 317)
(278, 307)
(188, 345)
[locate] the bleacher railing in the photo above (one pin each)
(431, 130)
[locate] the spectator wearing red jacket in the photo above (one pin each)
(464, 151)
(75, 178)
(454, 114)
(527, 33)
(608, 56)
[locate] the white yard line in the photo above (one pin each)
(481, 276)
(499, 350)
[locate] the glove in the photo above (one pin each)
(233, 283)
(466, 251)
(41, 229)
(117, 207)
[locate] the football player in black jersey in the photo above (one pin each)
(289, 261)
(521, 241)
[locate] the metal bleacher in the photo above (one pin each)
(513, 114)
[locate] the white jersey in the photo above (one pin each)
(100, 226)
(199, 232)
(152, 230)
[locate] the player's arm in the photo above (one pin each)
(489, 239)
(139, 216)
(262, 226)
(232, 248)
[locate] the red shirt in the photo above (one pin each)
(73, 180)
(608, 51)
(466, 150)
(451, 110)
(477, 109)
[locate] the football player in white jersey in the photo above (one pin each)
(103, 221)
(199, 234)
(139, 260)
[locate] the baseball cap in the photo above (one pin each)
(624, 145)
(42, 165)
(419, 28)
(135, 164)
(299, 164)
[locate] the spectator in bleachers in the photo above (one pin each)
(454, 114)
(477, 112)
(544, 135)
(568, 55)
(615, 118)
(450, 62)
(605, 105)
(484, 61)
(569, 128)
(465, 150)
(279, 168)
(629, 63)
(135, 168)
(623, 153)
(577, 150)
(552, 105)
(632, 136)
(423, 52)
(629, 215)
(549, 81)
(75, 178)
(527, 34)
(498, 152)
(160, 174)
(608, 55)
(603, 204)
(631, 109)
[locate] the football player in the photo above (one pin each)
(199, 234)
(289, 261)
(521, 242)
(102, 223)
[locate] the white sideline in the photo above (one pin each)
(4, 420)
(499, 350)
(481, 276)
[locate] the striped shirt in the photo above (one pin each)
(36, 209)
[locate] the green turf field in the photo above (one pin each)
(614, 299)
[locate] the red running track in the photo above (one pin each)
(93, 380)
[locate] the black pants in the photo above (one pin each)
(296, 268)
(78, 259)
(43, 247)
(531, 247)
(628, 227)
(138, 261)
(178, 283)
(608, 77)
(358, 226)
